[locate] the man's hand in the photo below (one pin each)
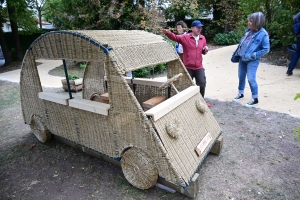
(164, 31)
(205, 50)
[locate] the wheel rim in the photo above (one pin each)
(139, 169)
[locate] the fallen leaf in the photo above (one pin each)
(31, 147)
(34, 183)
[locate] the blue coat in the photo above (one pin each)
(297, 28)
(258, 46)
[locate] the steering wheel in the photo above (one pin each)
(170, 81)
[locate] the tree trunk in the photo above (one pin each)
(178, 18)
(40, 17)
(268, 15)
(14, 30)
(217, 12)
(4, 48)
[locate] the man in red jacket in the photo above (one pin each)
(194, 45)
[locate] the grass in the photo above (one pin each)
(126, 188)
(9, 97)
(74, 69)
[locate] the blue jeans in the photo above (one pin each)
(295, 57)
(248, 69)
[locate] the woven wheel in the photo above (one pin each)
(170, 81)
(38, 129)
(173, 128)
(201, 106)
(139, 169)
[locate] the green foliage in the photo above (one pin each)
(26, 39)
(102, 14)
(226, 14)
(211, 29)
(10, 96)
(140, 73)
(83, 65)
(297, 130)
(279, 16)
(227, 38)
(23, 15)
(153, 70)
(193, 8)
(297, 96)
(72, 77)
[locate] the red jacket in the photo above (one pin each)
(192, 55)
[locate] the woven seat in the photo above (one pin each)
(150, 103)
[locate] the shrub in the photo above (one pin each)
(153, 70)
(227, 38)
(140, 73)
(298, 128)
(83, 65)
(71, 77)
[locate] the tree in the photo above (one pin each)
(39, 6)
(227, 12)
(3, 44)
(103, 14)
(20, 17)
(14, 28)
(278, 17)
(178, 9)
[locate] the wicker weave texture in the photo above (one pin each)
(130, 58)
(65, 45)
(126, 125)
(30, 86)
(192, 126)
(139, 168)
(122, 38)
(130, 49)
(145, 92)
(94, 79)
(131, 127)
(175, 67)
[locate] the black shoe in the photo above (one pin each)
(289, 73)
(253, 102)
(238, 97)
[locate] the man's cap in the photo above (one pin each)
(197, 23)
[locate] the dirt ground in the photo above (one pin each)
(259, 160)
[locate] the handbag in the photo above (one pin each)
(235, 58)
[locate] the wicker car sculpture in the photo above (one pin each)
(156, 131)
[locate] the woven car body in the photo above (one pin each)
(152, 144)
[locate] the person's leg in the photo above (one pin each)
(191, 73)
(242, 72)
(294, 59)
(200, 80)
(251, 75)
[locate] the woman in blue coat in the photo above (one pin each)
(296, 55)
(253, 46)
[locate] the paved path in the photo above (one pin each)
(43, 69)
(276, 90)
